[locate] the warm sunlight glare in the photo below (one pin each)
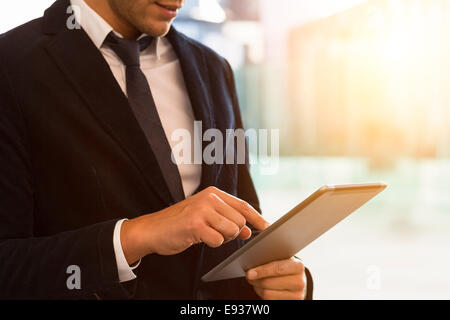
(382, 69)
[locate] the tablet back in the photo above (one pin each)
(298, 228)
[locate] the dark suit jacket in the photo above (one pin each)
(73, 161)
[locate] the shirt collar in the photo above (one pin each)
(98, 29)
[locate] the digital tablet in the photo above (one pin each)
(296, 229)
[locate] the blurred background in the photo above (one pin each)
(360, 91)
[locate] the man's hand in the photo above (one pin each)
(211, 216)
(279, 280)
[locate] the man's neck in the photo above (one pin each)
(120, 25)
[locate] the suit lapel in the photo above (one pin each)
(85, 67)
(196, 78)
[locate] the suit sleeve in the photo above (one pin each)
(44, 267)
(247, 191)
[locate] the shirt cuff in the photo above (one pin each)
(125, 272)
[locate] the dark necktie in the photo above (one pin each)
(141, 102)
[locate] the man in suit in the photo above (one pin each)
(87, 183)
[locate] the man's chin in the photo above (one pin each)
(159, 30)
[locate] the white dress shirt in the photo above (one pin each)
(162, 69)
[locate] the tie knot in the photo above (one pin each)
(127, 50)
